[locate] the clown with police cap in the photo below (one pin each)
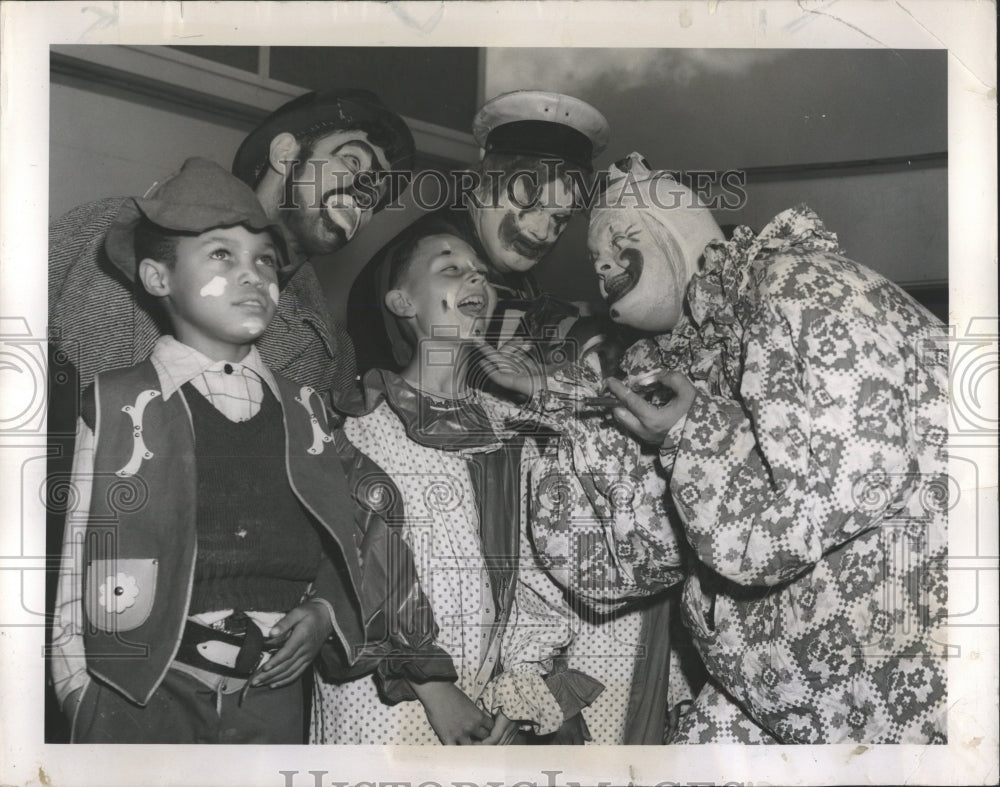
(538, 149)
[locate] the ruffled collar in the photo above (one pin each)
(461, 425)
(727, 271)
(721, 297)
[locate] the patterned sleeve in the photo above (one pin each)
(541, 621)
(600, 522)
(597, 510)
(540, 625)
(769, 482)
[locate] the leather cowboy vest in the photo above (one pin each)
(140, 543)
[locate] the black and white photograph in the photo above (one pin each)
(413, 376)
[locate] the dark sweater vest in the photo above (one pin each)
(257, 547)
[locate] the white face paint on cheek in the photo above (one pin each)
(272, 290)
(214, 288)
(449, 301)
(254, 325)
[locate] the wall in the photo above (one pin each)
(110, 143)
(895, 222)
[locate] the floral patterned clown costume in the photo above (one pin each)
(809, 479)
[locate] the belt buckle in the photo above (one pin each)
(235, 625)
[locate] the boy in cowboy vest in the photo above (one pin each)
(219, 542)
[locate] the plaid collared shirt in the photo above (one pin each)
(235, 389)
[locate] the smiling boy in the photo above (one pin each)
(189, 613)
(457, 470)
(440, 295)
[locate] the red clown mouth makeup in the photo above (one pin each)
(512, 240)
(619, 286)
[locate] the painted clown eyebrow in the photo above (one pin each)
(373, 162)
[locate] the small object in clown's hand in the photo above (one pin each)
(590, 402)
(647, 385)
(652, 389)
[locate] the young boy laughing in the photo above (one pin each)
(457, 468)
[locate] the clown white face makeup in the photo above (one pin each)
(443, 293)
(647, 243)
(525, 223)
(321, 209)
(641, 269)
(218, 291)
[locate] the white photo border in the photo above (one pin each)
(966, 29)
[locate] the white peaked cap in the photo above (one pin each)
(542, 123)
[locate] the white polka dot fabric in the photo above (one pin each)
(442, 530)
(606, 650)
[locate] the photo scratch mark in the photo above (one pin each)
(426, 26)
(106, 18)
(844, 22)
(951, 50)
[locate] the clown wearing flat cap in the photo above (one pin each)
(538, 149)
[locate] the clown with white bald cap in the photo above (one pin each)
(805, 451)
(642, 215)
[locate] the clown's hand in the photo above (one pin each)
(514, 367)
(646, 421)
